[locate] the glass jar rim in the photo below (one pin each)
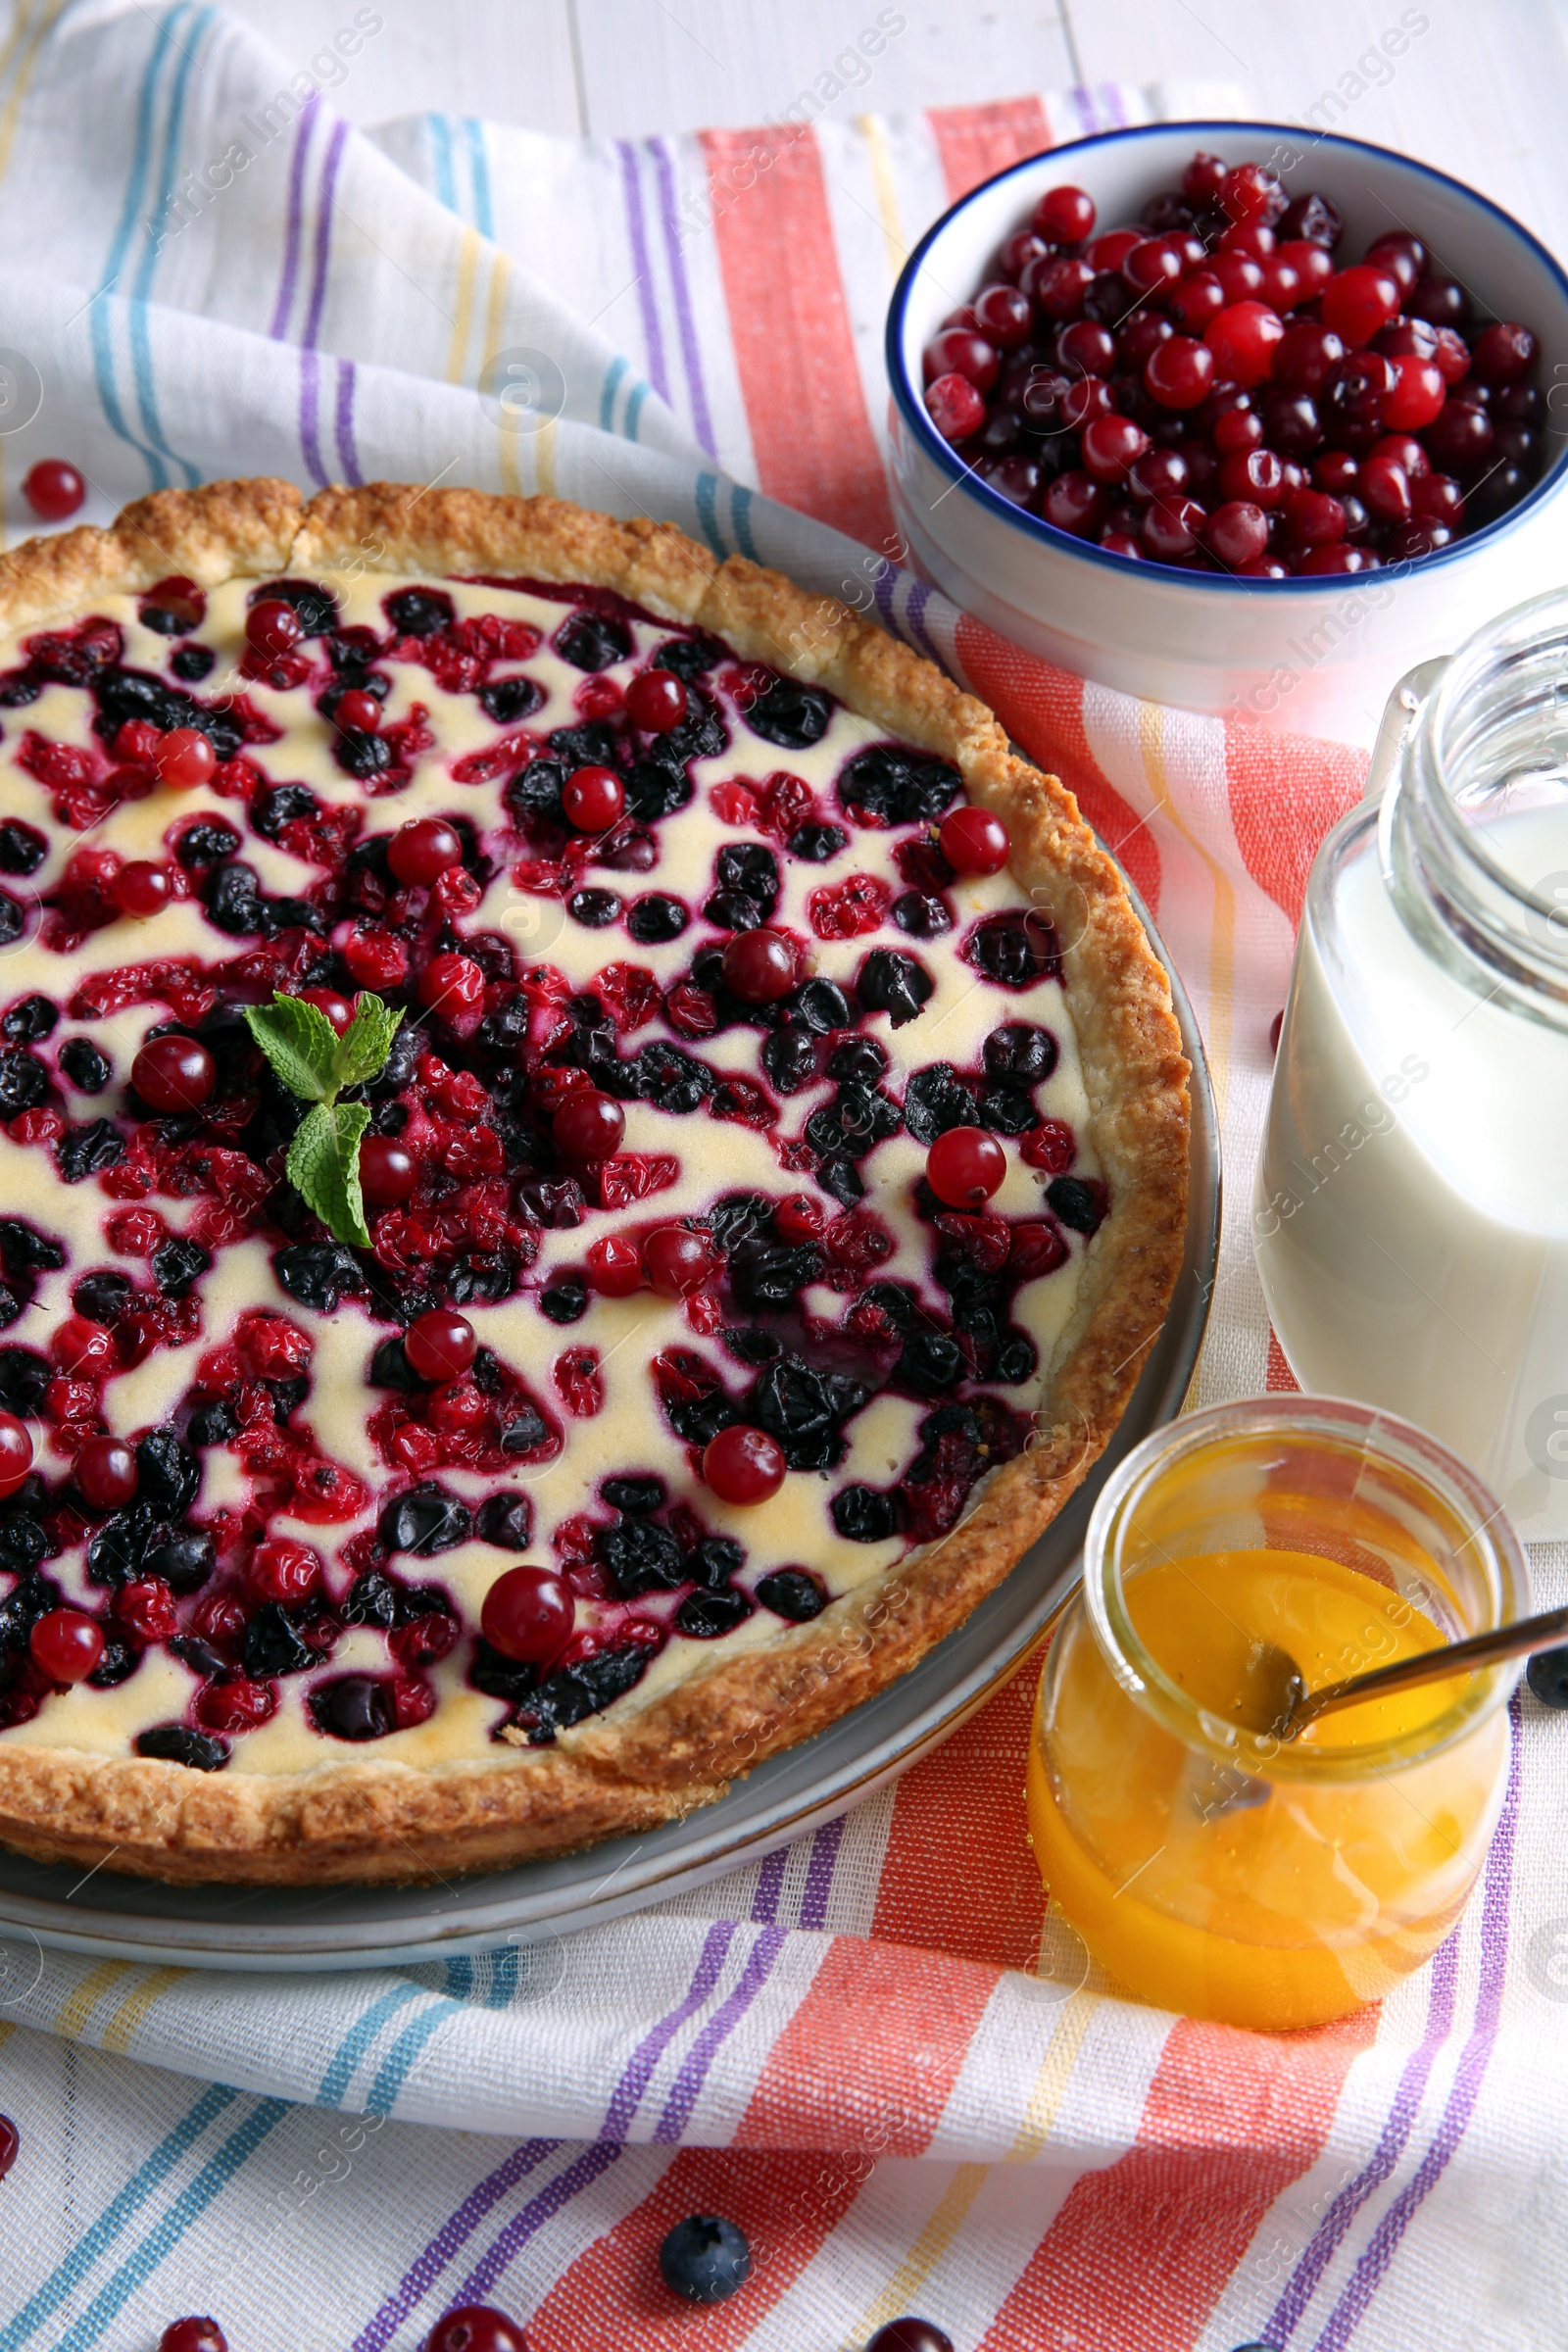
(1342, 1426)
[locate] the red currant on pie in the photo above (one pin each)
(759, 967)
(974, 842)
(331, 1006)
(54, 489)
(272, 630)
(615, 1266)
(965, 1166)
(184, 759)
(141, 888)
(656, 701)
(594, 798)
(16, 1452)
(744, 1465)
(105, 1473)
(678, 1261)
(423, 848)
(65, 1644)
(588, 1125)
(439, 1344)
(528, 1614)
(387, 1172)
(174, 1075)
(359, 713)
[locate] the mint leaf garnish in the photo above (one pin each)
(315, 1063)
(323, 1162)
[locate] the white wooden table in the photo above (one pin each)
(1482, 90)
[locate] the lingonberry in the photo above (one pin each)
(657, 700)
(1065, 215)
(333, 1008)
(423, 848)
(193, 2336)
(16, 1452)
(65, 1644)
(743, 1465)
(440, 1345)
(272, 630)
(81, 1349)
(105, 1473)
(174, 1075)
(594, 798)
(678, 1261)
(141, 889)
(387, 1172)
(589, 1125)
(452, 984)
(283, 1571)
(954, 407)
(52, 489)
(759, 967)
(965, 1166)
(184, 759)
(528, 1614)
(973, 841)
(615, 1266)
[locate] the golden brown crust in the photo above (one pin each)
(655, 1759)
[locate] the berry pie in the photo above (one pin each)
(587, 1159)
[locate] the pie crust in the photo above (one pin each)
(356, 1817)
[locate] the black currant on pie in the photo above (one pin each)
(587, 1159)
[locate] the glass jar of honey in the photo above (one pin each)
(1215, 1869)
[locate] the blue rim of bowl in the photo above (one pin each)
(1034, 527)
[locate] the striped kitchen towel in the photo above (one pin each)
(878, 2050)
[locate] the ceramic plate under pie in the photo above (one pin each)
(293, 1685)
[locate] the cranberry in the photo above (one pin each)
(1180, 372)
(1385, 487)
(1242, 340)
(440, 1345)
(1440, 301)
(1108, 251)
(1292, 424)
(1152, 265)
(1170, 528)
(656, 701)
(1120, 543)
(954, 407)
(1306, 357)
(594, 798)
(1452, 355)
(1339, 558)
(81, 1349)
(1058, 287)
(1503, 353)
(272, 630)
(589, 1125)
(10, 2143)
(1313, 216)
(1255, 477)
(423, 848)
(1066, 215)
(284, 1572)
(1017, 252)
(357, 713)
(1250, 192)
(184, 759)
(66, 1645)
(1459, 438)
(528, 1615)
(1417, 396)
(387, 1172)
(1158, 473)
(1235, 533)
(52, 489)
(1236, 429)
(1402, 255)
(1204, 177)
(1143, 334)
(141, 889)
(965, 1166)
(105, 1473)
(1437, 498)
(193, 2336)
(1003, 316)
(1313, 517)
(1195, 301)
(1017, 479)
(1281, 284)
(1240, 275)
(1357, 302)
(678, 1261)
(1108, 446)
(452, 984)
(475, 2328)
(174, 1075)
(16, 1452)
(1406, 451)
(956, 352)
(973, 841)
(1075, 502)
(1086, 349)
(1312, 263)
(1264, 567)
(375, 958)
(744, 1465)
(759, 967)
(615, 1266)
(332, 1006)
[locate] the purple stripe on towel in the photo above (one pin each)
(294, 231)
(705, 2049)
(819, 1873)
(637, 230)
(347, 450)
(685, 321)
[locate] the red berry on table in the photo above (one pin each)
(744, 1465)
(1244, 339)
(954, 407)
(452, 984)
(10, 2143)
(909, 2335)
(678, 1261)
(141, 889)
(973, 841)
(615, 1266)
(528, 1614)
(588, 1125)
(105, 1473)
(333, 1008)
(759, 967)
(184, 759)
(440, 1345)
(80, 1347)
(357, 713)
(193, 2336)
(65, 1644)
(52, 489)
(1066, 215)
(16, 1452)
(387, 1172)
(423, 848)
(656, 701)
(965, 1166)
(272, 630)
(592, 798)
(174, 1075)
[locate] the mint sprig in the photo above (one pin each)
(317, 1064)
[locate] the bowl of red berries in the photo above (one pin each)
(1231, 417)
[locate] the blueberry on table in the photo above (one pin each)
(10, 2142)
(1548, 1677)
(705, 2259)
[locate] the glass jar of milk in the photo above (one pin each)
(1410, 1221)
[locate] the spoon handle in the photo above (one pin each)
(1435, 1665)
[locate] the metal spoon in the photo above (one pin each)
(1277, 1699)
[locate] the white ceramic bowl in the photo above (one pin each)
(1313, 656)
